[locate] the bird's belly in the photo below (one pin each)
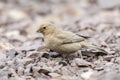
(68, 48)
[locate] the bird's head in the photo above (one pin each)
(46, 29)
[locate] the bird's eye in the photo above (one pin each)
(44, 27)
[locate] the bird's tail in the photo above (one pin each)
(93, 48)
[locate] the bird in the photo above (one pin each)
(65, 42)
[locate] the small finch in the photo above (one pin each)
(64, 42)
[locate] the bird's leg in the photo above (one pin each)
(66, 58)
(80, 54)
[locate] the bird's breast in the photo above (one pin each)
(52, 43)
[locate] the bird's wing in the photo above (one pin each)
(86, 37)
(69, 37)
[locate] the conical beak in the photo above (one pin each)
(38, 31)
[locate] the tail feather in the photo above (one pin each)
(95, 49)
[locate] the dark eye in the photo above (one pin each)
(44, 27)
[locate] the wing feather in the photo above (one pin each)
(69, 37)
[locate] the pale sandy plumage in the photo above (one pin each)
(64, 42)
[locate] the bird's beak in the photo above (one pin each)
(38, 31)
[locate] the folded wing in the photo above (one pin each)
(69, 37)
